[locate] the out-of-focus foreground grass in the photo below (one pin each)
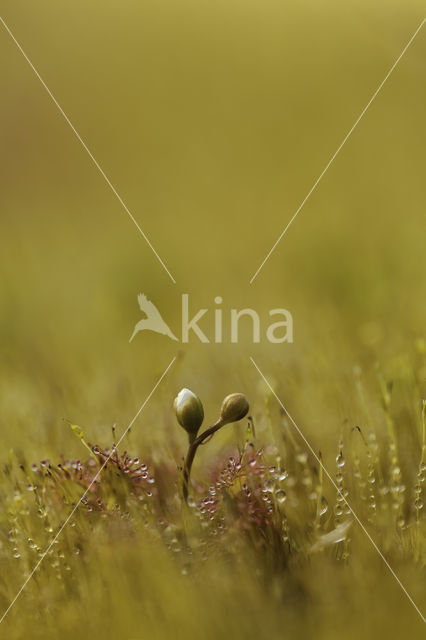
(213, 120)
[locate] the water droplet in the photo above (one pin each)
(269, 486)
(281, 495)
(324, 506)
(340, 460)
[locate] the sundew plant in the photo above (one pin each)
(257, 529)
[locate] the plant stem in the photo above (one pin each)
(193, 450)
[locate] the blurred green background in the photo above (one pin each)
(212, 120)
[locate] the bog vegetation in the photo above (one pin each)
(250, 543)
(212, 120)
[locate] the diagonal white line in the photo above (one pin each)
(340, 493)
(52, 542)
(85, 147)
(329, 163)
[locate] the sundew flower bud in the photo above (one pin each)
(234, 407)
(189, 412)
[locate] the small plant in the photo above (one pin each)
(190, 414)
(266, 526)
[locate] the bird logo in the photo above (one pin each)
(153, 320)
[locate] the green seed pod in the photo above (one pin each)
(189, 412)
(234, 407)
